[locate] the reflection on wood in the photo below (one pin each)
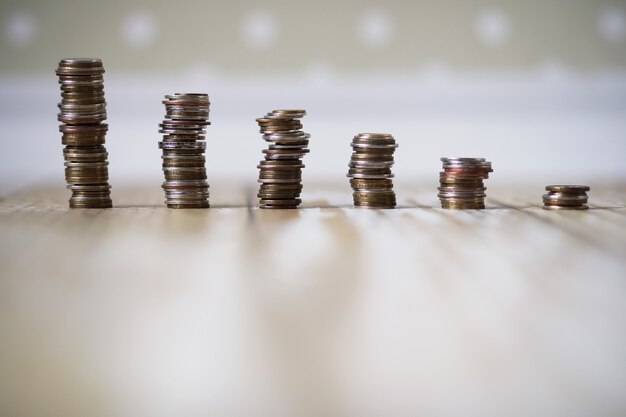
(322, 311)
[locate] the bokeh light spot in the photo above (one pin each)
(259, 30)
(375, 28)
(492, 27)
(20, 29)
(139, 29)
(612, 25)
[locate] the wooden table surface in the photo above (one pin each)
(323, 311)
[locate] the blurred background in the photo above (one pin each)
(143, 311)
(538, 88)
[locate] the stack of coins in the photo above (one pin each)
(461, 183)
(566, 197)
(370, 170)
(186, 117)
(280, 173)
(82, 111)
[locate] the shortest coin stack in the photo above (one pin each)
(183, 148)
(461, 183)
(370, 170)
(566, 197)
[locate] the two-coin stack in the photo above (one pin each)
(82, 111)
(370, 170)
(566, 197)
(461, 183)
(186, 117)
(280, 173)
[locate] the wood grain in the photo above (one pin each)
(322, 311)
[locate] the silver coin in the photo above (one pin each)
(368, 164)
(356, 146)
(185, 183)
(462, 160)
(563, 197)
(182, 145)
(102, 164)
(88, 188)
(370, 177)
(188, 97)
(182, 132)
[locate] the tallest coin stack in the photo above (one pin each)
(82, 112)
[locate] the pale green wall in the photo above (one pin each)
(314, 33)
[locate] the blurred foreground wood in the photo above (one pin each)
(322, 311)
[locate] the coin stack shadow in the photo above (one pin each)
(280, 173)
(186, 117)
(566, 197)
(370, 170)
(461, 183)
(82, 112)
